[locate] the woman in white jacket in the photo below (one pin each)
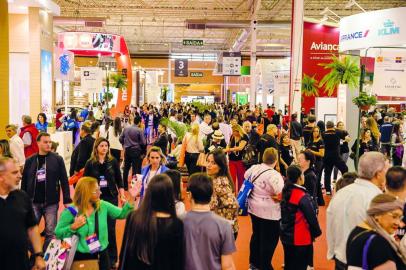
(113, 135)
(264, 209)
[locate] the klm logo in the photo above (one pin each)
(389, 29)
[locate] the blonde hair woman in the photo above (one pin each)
(373, 126)
(194, 146)
(235, 150)
(81, 218)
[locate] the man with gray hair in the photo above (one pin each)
(16, 145)
(349, 205)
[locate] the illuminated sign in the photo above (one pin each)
(90, 41)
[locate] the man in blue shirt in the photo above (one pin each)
(386, 134)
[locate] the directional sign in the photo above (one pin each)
(231, 63)
(192, 42)
(196, 74)
(181, 68)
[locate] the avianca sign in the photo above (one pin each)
(323, 47)
(354, 35)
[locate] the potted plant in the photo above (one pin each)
(365, 101)
(309, 86)
(164, 93)
(344, 71)
(108, 96)
(118, 81)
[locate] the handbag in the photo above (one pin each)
(75, 178)
(182, 153)
(250, 156)
(201, 160)
(244, 193)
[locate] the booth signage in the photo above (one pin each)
(193, 42)
(231, 63)
(90, 41)
(181, 68)
(91, 79)
(281, 83)
(372, 29)
(196, 74)
(64, 65)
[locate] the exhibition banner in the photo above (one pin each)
(79, 41)
(375, 28)
(281, 83)
(46, 81)
(181, 67)
(231, 63)
(91, 79)
(320, 42)
(64, 66)
(390, 74)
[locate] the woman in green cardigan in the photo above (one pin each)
(80, 219)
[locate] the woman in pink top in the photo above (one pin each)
(264, 209)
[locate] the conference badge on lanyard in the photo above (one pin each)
(41, 175)
(103, 181)
(93, 243)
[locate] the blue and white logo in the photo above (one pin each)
(389, 29)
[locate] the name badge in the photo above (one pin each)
(41, 175)
(93, 243)
(103, 182)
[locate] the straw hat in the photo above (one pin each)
(218, 135)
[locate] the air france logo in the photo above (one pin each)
(389, 29)
(354, 35)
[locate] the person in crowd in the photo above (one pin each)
(84, 113)
(397, 143)
(71, 123)
(99, 115)
(316, 146)
(277, 118)
(268, 140)
(295, 131)
(5, 149)
(308, 130)
(42, 124)
(331, 138)
(344, 149)
(348, 206)
(208, 238)
(264, 121)
(87, 218)
(372, 125)
(18, 227)
(105, 168)
(95, 129)
(386, 130)
(156, 165)
(176, 178)
(346, 179)
(367, 143)
(103, 129)
(215, 141)
(253, 136)
(134, 145)
(370, 244)
(225, 129)
(16, 145)
(194, 146)
(297, 235)
(149, 125)
(157, 119)
(90, 117)
(153, 236)
(113, 136)
(205, 128)
(54, 147)
(286, 154)
(306, 161)
(322, 126)
(162, 141)
(58, 118)
(235, 151)
(224, 202)
(43, 175)
(270, 112)
(264, 210)
(83, 151)
(28, 134)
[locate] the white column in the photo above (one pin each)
(253, 62)
(296, 58)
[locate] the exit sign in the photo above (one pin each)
(196, 74)
(192, 42)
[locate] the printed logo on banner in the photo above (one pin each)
(354, 35)
(323, 47)
(389, 29)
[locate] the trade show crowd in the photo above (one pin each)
(135, 166)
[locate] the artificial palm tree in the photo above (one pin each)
(118, 81)
(342, 72)
(309, 86)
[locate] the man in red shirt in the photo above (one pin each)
(29, 135)
(270, 111)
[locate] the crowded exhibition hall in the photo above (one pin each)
(203, 135)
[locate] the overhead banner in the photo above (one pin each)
(390, 74)
(181, 67)
(376, 28)
(46, 81)
(91, 79)
(231, 63)
(64, 66)
(90, 41)
(281, 83)
(320, 42)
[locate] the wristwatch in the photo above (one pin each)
(38, 254)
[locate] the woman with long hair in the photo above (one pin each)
(344, 149)
(223, 203)
(235, 151)
(113, 135)
(156, 165)
(194, 146)
(367, 143)
(153, 235)
(286, 153)
(397, 143)
(81, 218)
(5, 149)
(264, 210)
(371, 244)
(176, 178)
(297, 235)
(306, 161)
(372, 125)
(42, 124)
(316, 147)
(106, 170)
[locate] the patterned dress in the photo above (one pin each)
(223, 202)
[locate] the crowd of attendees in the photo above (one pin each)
(134, 165)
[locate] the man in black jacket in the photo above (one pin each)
(296, 132)
(43, 176)
(267, 140)
(83, 151)
(162, 141)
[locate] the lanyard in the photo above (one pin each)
(156, 172)
(44, 166)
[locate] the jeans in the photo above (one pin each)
(132, 159)
(49, 212)
(190, 161)
(329, 164)
(297, 257)
(264, 239)
(344, 157)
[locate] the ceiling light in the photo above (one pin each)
(351, 3)
(327, 10)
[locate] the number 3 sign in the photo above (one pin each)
(181, 68)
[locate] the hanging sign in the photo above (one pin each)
(281, 83)
(192, 42)
(64, 65)
(181, 68)
(231, 63)
(196, 74)
(91, 79)
(390, 74)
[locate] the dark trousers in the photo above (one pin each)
(102, 256)
(340, 265)
(190, 161)
(49, 212)
(111, 228)
(297, 257)
(133, 160)
(116, 154)
(319, 171)
(264, 239)
(329, 164)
